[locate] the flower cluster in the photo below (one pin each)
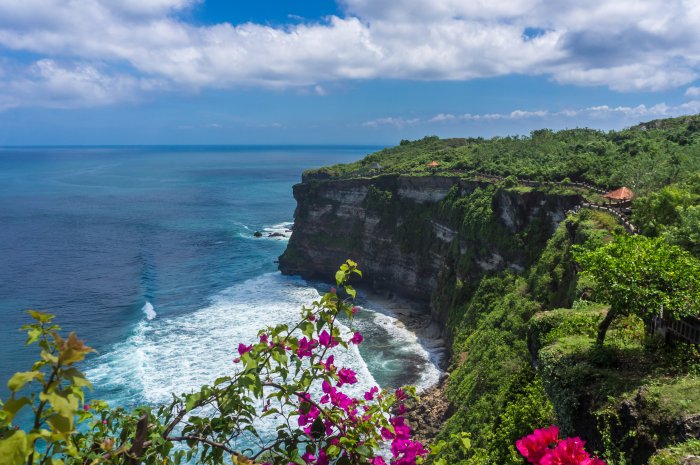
(335, 427)
(543, 447)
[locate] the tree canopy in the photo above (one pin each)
(644, 277)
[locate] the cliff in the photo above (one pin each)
(407, 231)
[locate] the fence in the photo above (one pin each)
(686, 330)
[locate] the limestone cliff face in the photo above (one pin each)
(407, 231)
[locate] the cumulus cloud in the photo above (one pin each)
(623, 44)
(632, 113)
(397, 122)
(50, 84)
(692, 92)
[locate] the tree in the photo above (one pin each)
(272, 378)
(644, 277)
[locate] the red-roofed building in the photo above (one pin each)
(621, 195)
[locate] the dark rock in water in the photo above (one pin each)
(276, 261)
(288, 230)
(276, 234)
(257, 234)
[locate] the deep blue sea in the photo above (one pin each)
(149, 255)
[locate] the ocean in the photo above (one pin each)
(148, 254)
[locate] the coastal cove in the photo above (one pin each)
(149, 255)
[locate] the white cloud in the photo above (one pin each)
(659, 110)
(623, 44)
(47, 83)
(692, 92)
(391, 121)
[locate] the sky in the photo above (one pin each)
(132, 72)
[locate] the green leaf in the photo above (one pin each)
(12, 406)
(18, 380)
(466, 441)
(76, 378)
(41, 317)
(61, 424)
(13, 448)
(351, 291)
(339, 277)
(33, 335)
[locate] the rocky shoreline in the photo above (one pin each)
(427, 414)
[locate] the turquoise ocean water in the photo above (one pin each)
(149, 255)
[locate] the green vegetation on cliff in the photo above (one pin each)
(643, 157)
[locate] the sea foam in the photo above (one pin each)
(149, 311)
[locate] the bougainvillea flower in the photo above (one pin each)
(568, 451)
(357, 338)
(329, 363)
(326, 340)
(347, 376)
(354, 311)
(242, 348)
(534, 446)
(369, 395)
(305, 347)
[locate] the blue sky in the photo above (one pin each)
(351, 71)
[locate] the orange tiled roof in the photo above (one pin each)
(622, 193)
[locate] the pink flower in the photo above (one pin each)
(400, 394)
(333, 290)
(536, 445)
(305, 347)
(328, 364)
(311, 317)
(236, 360)
(263, 338)
(308, 457)
(322, 458)
(568, 451)
(326, 339)
(377, 461)
(369, 395)
(242, 348)
(86, 407)
(356, 338)
(355, 310)
(347, 376)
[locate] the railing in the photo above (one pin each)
(686, 330)
(621, 218)
(493, 177)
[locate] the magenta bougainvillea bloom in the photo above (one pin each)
(356, 338)
(534, 446)
(306, 347)
(328, 364)
(369, 395)
(543, 447)
(347, 376)
(242, 348)
(355, 310)
(326, 340)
